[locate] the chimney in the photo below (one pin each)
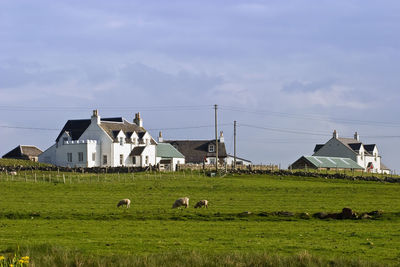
(95, 117)
(221, 137)
(138, 120)
(356, 136)
(335, 134)
(160, 138)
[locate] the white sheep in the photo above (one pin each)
(13, 173)
(181, 202)
(201, 203)
(125, 202)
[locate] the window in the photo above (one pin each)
(133, 160)
(147, 159)
(80, 156)
(121, 159)
(65, 139)
(121, 141)
(93, 156)
(211, 148)
(69, 157)
(104, 159)
(134, 141)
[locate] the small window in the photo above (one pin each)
(65, 139)
(80, 156)
(133, 160)
(69, 157)
(93, 156)
(104, 159)
(121, 141)
(121, 159)
(147, 160)
(211, 148)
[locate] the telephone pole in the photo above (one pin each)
(216, 139)
(234, 145)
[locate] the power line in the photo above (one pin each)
(311, 117)
(283, 130)
(109, 108)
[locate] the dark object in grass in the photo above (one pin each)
(245, 213)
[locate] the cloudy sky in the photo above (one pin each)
(289, 72)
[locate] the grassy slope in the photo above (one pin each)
(84, 216)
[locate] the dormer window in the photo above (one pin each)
(211, 148)
(121, 141)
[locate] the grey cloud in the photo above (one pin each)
(298, 86)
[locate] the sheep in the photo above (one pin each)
(181, 202)
(125, 202)
(13, 173)
(201, 203)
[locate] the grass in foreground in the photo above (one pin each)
(83, 216)
(57, 256)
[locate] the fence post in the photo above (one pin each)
(64, 178)
(35, 178)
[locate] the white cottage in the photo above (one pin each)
(102, 142)
(367, 156)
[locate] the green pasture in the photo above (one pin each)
(81, 214)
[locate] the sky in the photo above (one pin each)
(289, 72)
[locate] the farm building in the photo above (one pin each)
(102, 142)
(325, 163)
(239, 161)
(24, 152)
(365, 155)
(199, 151)
(168, 157)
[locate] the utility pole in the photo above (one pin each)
(216, 139)
(234, 145)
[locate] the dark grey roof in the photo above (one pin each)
(370, 148)
(75, 128)
(355, 146)
(137, 151)
(318, 147)
(195, 151)
(23, 152)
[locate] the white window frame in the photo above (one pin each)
(80, 156)
(121, 159)
(69, 157)
(93, 156)
(211, 148)
(105, 160)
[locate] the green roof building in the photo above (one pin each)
(326, 163)
(168, 156)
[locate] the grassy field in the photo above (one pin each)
(81, 216)
(20, 162)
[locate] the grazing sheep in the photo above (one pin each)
(201, 203)
(13, 173)
(125, 202)
(181, 202)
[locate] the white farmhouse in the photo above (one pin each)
(102, 142)
(367, 156)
